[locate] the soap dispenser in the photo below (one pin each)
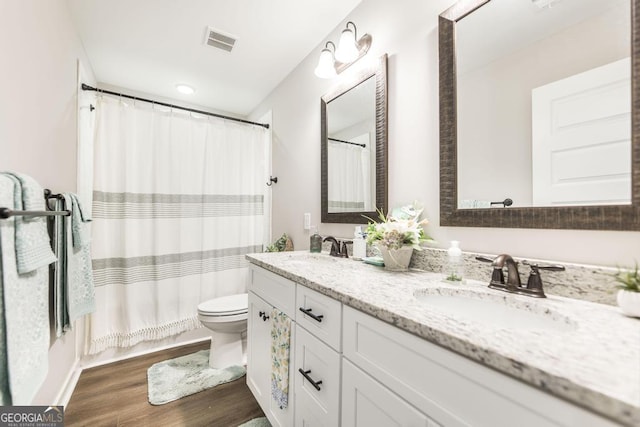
(315, 241)
(359, 244)
(454, 270)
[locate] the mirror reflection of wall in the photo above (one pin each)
(544, 103)
(351, 157)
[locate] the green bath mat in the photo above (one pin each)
(257, 422)
(175, 378)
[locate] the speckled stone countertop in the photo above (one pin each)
(584, 352)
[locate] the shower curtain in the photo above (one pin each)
(349, 180)
(178, 201)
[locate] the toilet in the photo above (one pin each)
(226, 317)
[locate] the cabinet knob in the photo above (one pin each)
(263, 315)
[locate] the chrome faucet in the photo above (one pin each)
(533, 287)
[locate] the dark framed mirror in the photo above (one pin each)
(353, 140)
(474, 175)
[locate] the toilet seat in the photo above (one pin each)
(229, 306)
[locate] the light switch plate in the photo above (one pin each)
(307, 221)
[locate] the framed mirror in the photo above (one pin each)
(539, 117)
(354, 147)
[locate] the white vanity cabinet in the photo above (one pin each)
(349, 369)
(267, 291)
(448, 389)
(318, 359)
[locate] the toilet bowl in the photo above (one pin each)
(226, 317)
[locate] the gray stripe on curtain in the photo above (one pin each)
(153, 268)
(108, 205)
(338, 204)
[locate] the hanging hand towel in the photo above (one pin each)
(32, 242)
(280, 345)
(79, 290)
(26, 313)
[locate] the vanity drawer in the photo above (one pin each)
(320, 315)
(450, 389)
(274, 289)
(316, 363)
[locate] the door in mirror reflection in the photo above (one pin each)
(351, 150)
(544, 103)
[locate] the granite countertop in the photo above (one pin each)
(589, 355)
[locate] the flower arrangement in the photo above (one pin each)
(401, 227)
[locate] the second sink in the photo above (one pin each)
(495, 311)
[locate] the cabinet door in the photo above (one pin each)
(366, 403)
(317, 383)
(258, 348)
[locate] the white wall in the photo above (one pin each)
(407, 31)
(40, 49)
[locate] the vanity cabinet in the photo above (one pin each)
(351, 369)
(448, 389)
(318, 358)
(268, 291)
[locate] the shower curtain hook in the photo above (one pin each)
(272, 180)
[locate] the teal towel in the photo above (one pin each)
(33, 245)
(26, 315)
(79, 290)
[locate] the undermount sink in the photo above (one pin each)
(495, 311)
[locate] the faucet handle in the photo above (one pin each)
(344, 253)
(534, 284)
(497, 276)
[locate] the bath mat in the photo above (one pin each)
(257, 422)
(175, 378)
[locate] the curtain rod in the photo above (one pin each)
(164, 104)
(348, 142)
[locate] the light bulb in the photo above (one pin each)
(186, 89)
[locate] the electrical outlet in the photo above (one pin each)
(307, 221)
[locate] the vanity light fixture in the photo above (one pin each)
(349, 50)
(185, 89)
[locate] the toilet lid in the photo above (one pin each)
(232, 304)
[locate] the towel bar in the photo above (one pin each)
(8, 213)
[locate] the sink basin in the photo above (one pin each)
(495, 311)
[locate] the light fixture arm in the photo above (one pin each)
(355, 29)
(326, 45)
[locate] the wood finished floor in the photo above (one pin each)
(116, 395)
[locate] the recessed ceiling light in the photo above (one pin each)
(187, 90)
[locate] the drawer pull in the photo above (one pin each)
(315, 384)
(263, 315)
(308, 312)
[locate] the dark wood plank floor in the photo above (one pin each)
(116, 395)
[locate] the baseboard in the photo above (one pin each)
(63, 397)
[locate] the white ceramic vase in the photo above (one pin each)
(629, 302)
(396, 259)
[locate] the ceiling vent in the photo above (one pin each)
(217, 38)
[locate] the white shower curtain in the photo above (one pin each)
(349, 181)
(178, 202)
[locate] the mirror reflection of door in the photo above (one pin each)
(351, 150)
(506, 52)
